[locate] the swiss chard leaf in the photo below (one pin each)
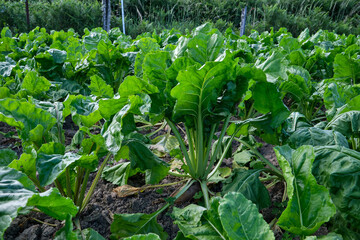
(205, 47)
(35, 84)
(268, 99)
(99, 87)
(330, 236)
(26, 164)
(274, 67)
(53, 204)
(118, 174)
(26, 117)
(121, 125)
(7, 67)
(150, 236)
(241, 220)
(317, 137)
(309, 204)
(49, 167)
(297, 87)
(346, 68)
(336, 96)
(155, 72)
(7, 156)
(338, 168)
(141, 157)
(247, 182)
(126, 225)
(83, 109)
(15, 190)
(347, 123)
(146, 46)
(193, 225)
(198, 92)
(233, 217)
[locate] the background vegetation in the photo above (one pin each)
(341, 16)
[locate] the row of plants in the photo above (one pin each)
(149, 15)
(210, 89)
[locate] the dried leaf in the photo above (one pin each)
(126, 191)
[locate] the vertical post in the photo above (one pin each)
(27, 14)
(123, 16)
(106, 14)
(243, 21)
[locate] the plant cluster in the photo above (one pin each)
(208, 90)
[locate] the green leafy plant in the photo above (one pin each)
(231, 217)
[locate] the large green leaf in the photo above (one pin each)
(53, 204)
(247, 182)
(352, 104)
(181, 63)
(35, 84)
(346, 68)
(93, 38)
(274, 67)
(317, 137)
(268, 99)
(121, 125)
(26, 164)
(199, 89)
(99, 87)
(126, 225)
(109, 107)
(335, 97)
(290, 44)
(205, 44)
(6, 68)
(194, 224)
(233, 217)
(25, 116)
(50, 166)
(117, 174)
(205, 47)
(141, 157)
(347, 123)
(146, 46)
(84, 110)
(155, 72)
(330, 236)
(241, 220)
(133, 85)
(154, 69)
(130, 86)
(15, 190)
(297, 87)
(58, 55)
(338, 168)
(7, 156)
(52, 148)
(309, 204)
(295, 122)
(150, 236)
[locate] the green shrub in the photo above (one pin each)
(149, 15)
(57, 15)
